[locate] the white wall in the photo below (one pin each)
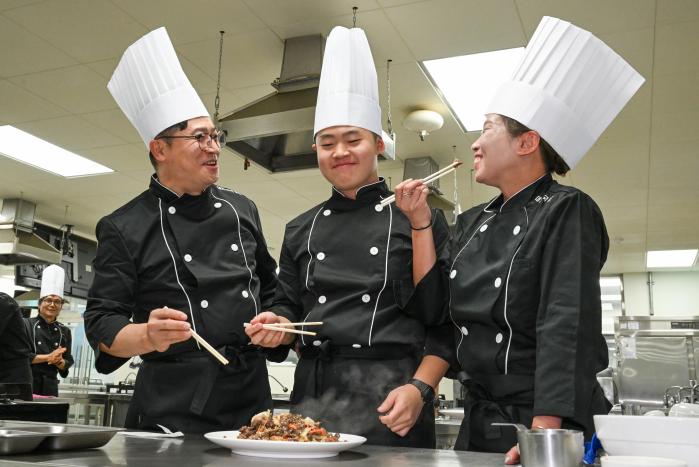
(675, 293)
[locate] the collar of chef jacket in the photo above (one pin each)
(192, 207)
(520, 198)
(366, 195)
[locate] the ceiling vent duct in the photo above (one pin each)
(276, 131)
(18, 242)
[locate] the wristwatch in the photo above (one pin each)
(425, 389)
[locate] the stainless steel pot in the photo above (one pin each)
(546, 447)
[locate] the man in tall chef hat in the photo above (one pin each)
(374, 365)
(523, 288)
(184, 254)
(50, 340)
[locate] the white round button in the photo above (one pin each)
(39, 342)
(234, 247)
(317, 343)
(188, 257)
(322, 299)
(464, 331)
(326, 213)
(245, 294)
(452, 274)
(374, 251)
(172, 210)
(204, 304)
(217, 205)
(55, 344)
(378, 208)
(484, 227)
(498, 281)
(320, 256)
(498, 337)
(366, 298)
(516, 230)
(357, 346)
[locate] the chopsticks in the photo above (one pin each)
(281, 327)
(208, 347)
(430, 178)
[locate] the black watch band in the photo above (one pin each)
(426, 391)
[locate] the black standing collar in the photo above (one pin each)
(194, 207)
(366, 195)
(522, 197)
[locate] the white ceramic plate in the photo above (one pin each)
(454, 414)
(283, 449)
(636, 461)
(671, 437)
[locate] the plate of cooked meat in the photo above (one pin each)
(285, 435)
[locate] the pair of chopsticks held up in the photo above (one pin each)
(289, 327)
(285, 327)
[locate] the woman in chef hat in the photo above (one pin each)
(523, 287)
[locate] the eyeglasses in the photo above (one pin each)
(217, 138)
(53, 301)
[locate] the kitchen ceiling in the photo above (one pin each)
(57, 56)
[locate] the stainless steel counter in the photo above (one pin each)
(197, 451)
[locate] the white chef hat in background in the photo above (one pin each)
(52, 281)
(568, 87)
(151, 88)
(348, 93)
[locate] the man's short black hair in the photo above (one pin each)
(167, 132)
(553, 161)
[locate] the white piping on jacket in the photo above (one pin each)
(174, 265)
(385, 271)
(242, 248)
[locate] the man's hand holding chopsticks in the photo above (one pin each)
(266, 337)
(167, 326)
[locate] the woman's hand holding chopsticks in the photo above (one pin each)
(260, 334)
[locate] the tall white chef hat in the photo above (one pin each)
(151, 88)
(568, 87)
(348, 93)
(52, 280)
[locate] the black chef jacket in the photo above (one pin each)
(525, 305)
(206, 256)
(47, 337)
(348, 263)
(15, 349)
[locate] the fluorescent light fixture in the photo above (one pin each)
(614, 281)
(467, 82)
(28, 149)
(671, 258)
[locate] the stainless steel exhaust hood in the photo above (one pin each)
(276, 131)
(18, 243)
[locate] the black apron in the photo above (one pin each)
(508, 399)
(342, 386)
(194, 393)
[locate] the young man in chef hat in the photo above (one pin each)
(523, 288)
(375, 362)
(184, 253)
(51, 341)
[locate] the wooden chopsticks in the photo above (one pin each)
(208, 347)
(287, 327)
(430, 178)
